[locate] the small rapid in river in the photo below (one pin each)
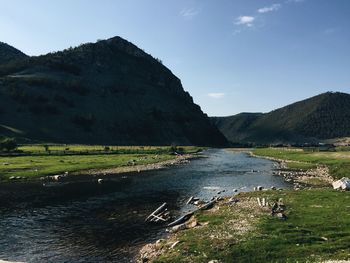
(91, 222)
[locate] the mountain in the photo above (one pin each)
(9, 53)
(235, 127)
(108, 92)
(321, 117)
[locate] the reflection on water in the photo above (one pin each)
(91, 222)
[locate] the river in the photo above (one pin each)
(89, 222)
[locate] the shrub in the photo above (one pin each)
(8, 144)
(107, 148)
(46, 147)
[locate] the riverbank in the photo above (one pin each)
(315, 230)
(301, 174)
(33, 162)
(175, 160)
(338, 163)
(316, 226)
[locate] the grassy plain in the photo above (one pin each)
(337, 162)
(34, 160)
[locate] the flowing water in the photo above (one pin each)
(90, 222)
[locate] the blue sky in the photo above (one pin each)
(231, 55)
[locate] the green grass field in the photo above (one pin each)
(39, 149)
(35, 161)
(317, 228)
(338, 162)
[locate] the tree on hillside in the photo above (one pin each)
(8, 144)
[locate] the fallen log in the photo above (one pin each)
(181, 219)
(157, 211)
(157, 218)
(163, 216)
(189, 200)
(207, 205)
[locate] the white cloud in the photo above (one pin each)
(245, 20)
(189, 13)
(268, 9)
(218, 95)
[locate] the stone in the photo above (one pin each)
(178, 228)
(342, 184)
(281, 216)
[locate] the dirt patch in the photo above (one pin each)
(226, 222)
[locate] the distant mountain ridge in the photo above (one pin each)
(108, 92)
(321, 117)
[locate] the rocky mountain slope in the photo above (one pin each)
(321, 117)
(109, 92)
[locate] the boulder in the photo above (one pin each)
(342, 184)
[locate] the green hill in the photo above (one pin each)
(109, 92)
(321, 117)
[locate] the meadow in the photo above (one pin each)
(338, 162)
(33, 161)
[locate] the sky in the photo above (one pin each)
(231, 55)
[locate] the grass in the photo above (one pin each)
(317, 228)
(338, 162)
(34, 161)
(39, 149)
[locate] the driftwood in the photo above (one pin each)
(187, 216)
(207, 205)
(181, 219)
(156, 212)
(162, 216)
(192, 200)
(263, 202)
(189, 200)
(259, 202)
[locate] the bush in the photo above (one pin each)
(8, 144)
(173, 149)
(107, 148)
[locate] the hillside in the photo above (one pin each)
(235, 127)
(9, 53)
(321, 117)
(109, 92)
